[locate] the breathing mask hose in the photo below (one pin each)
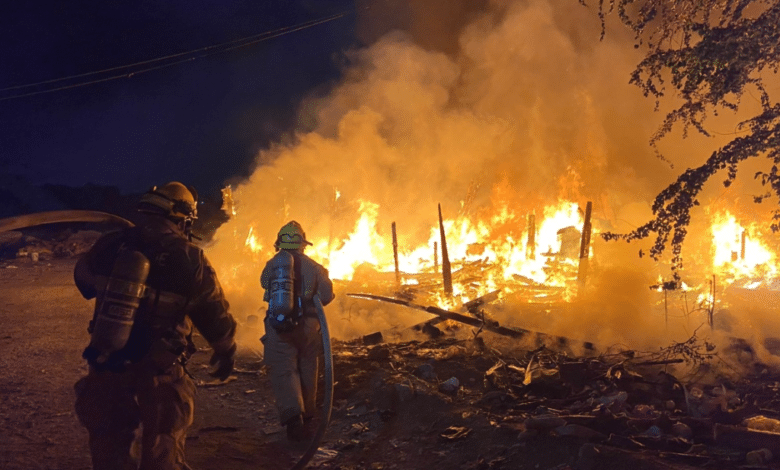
(327, 405)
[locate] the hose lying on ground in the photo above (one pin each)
(327, 404)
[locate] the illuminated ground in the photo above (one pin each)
(386, 415)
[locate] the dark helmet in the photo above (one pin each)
(173, 200)
(291, 237)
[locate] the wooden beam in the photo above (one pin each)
(446, 269)
(395, 255)
(530, 246)
(540, 338)
(582, 272)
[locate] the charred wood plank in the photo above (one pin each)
(493, 327)
(471, 306)
(582, 270)
(659, 363)
(446, 269)
(395, 255)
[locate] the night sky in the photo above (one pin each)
(201, 121)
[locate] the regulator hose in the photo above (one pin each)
(327, 404)
(54, 217)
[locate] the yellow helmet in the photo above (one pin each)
(291, 237)
(172, 200)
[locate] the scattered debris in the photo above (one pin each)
(450, 386)
(453, 433)
(616, 403)
(322, 456)
(217, 382)
(481, 323)
(373, 338)
(66, 244)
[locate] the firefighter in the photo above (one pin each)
(151, 286)
(292, 339)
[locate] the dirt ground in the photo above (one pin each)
(385, 415)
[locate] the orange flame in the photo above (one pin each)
(738, 254)
(494, 243)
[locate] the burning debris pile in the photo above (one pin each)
(536, 268)
(456, 395)
(464, 258)
(513, 146)
(527, 158)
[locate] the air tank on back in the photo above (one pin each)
(281, 300)
(115, 310)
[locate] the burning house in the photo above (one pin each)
(515, 148)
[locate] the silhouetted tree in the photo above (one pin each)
(709, 53)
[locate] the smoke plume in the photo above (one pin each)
(519, 107)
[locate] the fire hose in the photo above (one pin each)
(53, 217)
(327, 404)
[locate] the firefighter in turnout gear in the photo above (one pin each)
(151, 286)
(292, 338)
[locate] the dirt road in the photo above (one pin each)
(44, 321)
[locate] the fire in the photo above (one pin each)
(228, 205)
(498, 244)
(556, 218)
(467, 241)
(738, 253)
(529, 257)
(363, 245)
(252, 242)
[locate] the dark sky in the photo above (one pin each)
(201, 122)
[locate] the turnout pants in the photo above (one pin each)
(293, 366)
(112, 406)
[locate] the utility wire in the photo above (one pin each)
(203, 52)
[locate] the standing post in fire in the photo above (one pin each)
(295, 288)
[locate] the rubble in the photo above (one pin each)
(616, 405)
(450, 386)
(479, 322)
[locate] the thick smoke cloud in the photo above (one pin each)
(524, 98)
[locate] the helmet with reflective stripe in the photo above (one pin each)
(291, 237)
(173, 200)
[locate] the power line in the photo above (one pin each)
(202, 52)
(265, 35)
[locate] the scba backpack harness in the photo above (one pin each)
(285, 307)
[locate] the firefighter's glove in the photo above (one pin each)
(222, 363)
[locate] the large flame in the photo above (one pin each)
(739, 253)
(498, 243)
(512, 133)
(361, 246)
